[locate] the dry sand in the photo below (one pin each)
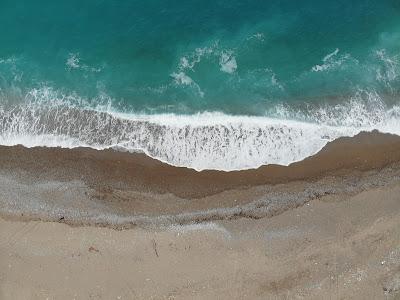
(332, 248)
(324, 228)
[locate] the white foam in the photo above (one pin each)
(228, 62)
(190, 60)
(208, 140)
(182, 79)
(258, 36)
(332, 61)
(10, 60)
(47, 140)
(274, 80)
(330, 55)
(390, 70)
(226, 59)
(73, 61)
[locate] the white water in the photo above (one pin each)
(201, 141)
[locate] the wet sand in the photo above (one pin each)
(110, 188)
(323, 228)
(108, 170)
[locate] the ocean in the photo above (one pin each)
(220, 84)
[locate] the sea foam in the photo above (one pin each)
(208, 140)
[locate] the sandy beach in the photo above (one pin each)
(87, 224)
(200, 150)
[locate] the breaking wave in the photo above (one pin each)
(208, 140)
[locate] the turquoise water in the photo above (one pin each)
(332, 64)
(188, 56)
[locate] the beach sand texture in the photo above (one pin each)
(324, 228)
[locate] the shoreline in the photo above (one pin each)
(321, 228)
(109, 188)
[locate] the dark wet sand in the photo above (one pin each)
(109, 169)
(124, 189)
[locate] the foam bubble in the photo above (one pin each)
(182, 79)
